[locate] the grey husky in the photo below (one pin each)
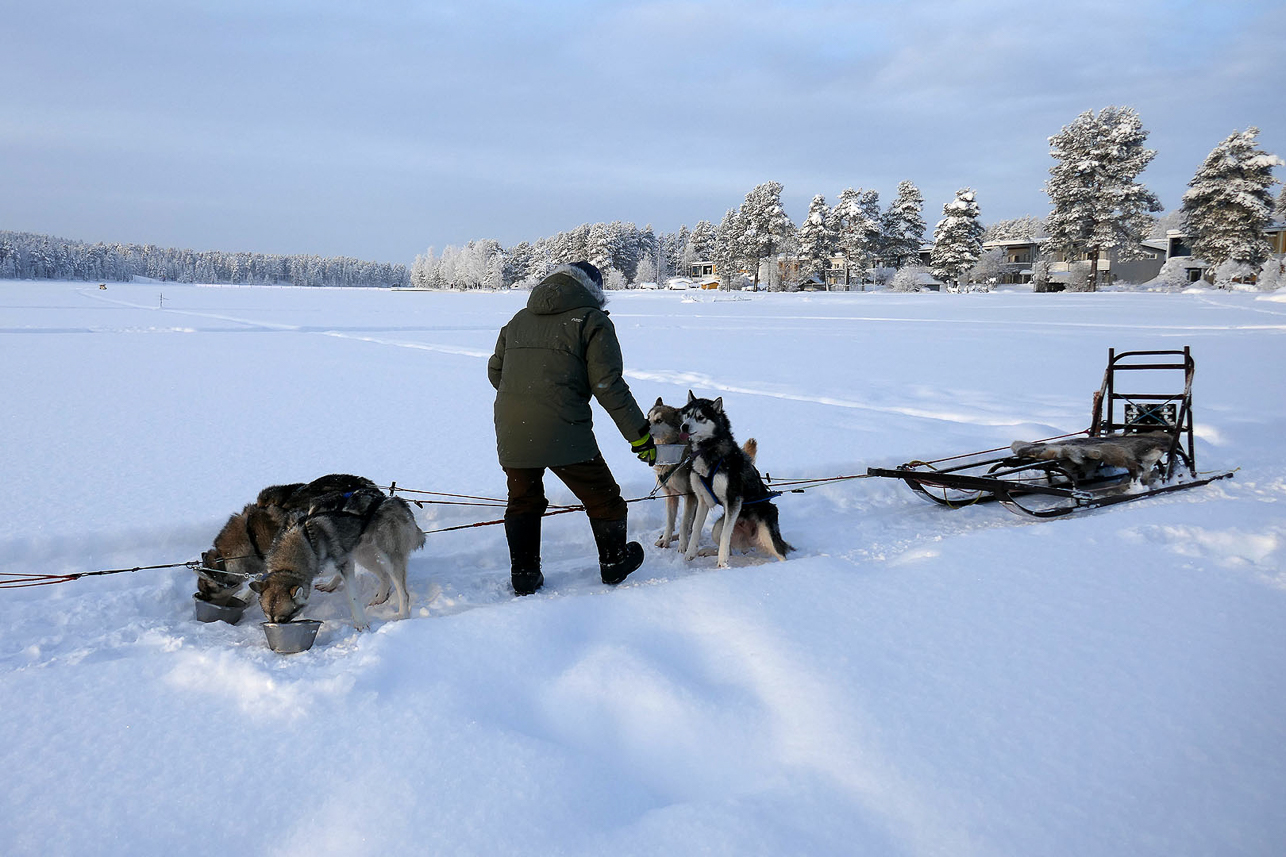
(724, 474)
(241, 546)
(367, 528)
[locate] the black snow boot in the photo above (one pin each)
(523, 533)
(616, 559)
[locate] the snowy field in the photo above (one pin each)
(914, 681)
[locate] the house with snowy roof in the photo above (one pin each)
(1178, 247)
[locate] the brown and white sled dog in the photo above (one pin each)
(673, 479)
(724, 474)
(369, 529)
(240, 548)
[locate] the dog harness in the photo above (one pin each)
(706, 481)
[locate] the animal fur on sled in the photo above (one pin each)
(1137, 453)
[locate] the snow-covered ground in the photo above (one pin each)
(914, 681)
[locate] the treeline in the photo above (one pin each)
(738, 250)
(28, 256)
(625, 254)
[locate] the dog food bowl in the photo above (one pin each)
(287, 638)
(670, 453)
(208, 611)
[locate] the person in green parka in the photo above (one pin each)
(550, 359)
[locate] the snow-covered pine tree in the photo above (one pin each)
(726, 249)
(1229, 204)
(957, 239)
(855, 218)
(700, 246)
(902, 227)
(1097, 204)
(673, 247)
(766, 229)
(816, 240)
(598, 247)
(648, 246)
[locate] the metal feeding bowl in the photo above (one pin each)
(287, 638)
(670, 453)
(208, 611)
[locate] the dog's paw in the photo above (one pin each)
(378, 600)
(662, 541)
(711, 551)
(328, 585)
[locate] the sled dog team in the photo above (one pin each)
(550, 359)
(280, 544)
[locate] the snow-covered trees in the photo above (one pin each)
(726, 251)
(902, 227)
(816, 240)
(909, 278)
(645, 272)
(987, 271)
(1025, 228)
(476, 265)
(765, 228)
(1273, 275)
(1228, 204)
(700, 242)
(855, 219)
(25, 255)
(957, 239)
(1097, 203)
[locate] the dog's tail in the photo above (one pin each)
(751, 449)
(773, 530)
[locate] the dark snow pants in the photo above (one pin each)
(590, 481)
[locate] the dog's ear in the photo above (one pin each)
(294, 593)
(257, 586)
(659, 403)
(691, 398)
(718, 404)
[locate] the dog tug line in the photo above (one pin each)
(20, 580)
(1139, 444)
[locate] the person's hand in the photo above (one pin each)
(645, 449)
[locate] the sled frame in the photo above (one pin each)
(1061, 487)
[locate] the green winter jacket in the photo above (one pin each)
(550, 358)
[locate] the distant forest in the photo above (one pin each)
(27, 256)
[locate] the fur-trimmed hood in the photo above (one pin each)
(566, 287)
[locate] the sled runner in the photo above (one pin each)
(1139, 444)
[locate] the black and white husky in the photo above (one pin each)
(367, 528)
(724, 474)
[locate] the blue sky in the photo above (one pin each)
(379, 128)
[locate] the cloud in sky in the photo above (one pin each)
(379, 128)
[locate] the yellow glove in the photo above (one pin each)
(645, 449)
